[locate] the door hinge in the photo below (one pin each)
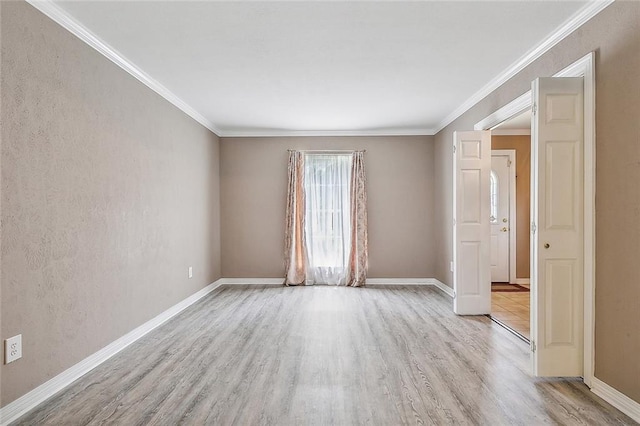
(533, 227)
(534, 108)
(454, 149)
(533, 346)
(509, 163)
(454, 221)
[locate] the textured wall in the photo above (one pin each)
(522, 145)
(109, 193)
(253, 179)
(1, 126)
(614, 34)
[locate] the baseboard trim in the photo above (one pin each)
(398, 281)
(443, 287)
(30, 400)
(616, 398)
(251, 281)
(370, 282)
(522, 281)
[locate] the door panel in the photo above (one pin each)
(471, 257)
(561, 184)
(471, 208)
(559, 331)
(557, 206)
(471, 252)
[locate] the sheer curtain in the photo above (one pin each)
(327, 187)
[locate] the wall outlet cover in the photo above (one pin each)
(13, 348)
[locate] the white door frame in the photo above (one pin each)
(512, 209)
(583, 67)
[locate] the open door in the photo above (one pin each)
(471, 225)
(557, 284)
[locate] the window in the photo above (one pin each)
(327, 216)
(494, 196)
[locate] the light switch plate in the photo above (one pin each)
(13, 348)
(190, 271)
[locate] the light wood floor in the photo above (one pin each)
(512, 309)
(324, 355)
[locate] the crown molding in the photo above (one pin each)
(66, 21)
(576, 21)
(325, 133)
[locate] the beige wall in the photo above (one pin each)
(614, 35)
(253, 179)
(109, 193)
(522, 145)
(1, 300)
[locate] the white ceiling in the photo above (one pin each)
(519, 122)
(285, 67)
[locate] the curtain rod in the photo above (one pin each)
(327, 150)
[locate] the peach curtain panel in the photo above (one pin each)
(359, 257)
(296, 251)
(295, 247)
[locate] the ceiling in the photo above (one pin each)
(266, 68)
(519, 122)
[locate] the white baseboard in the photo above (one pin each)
(522, 281)
(443, 287)
(616, 398)
(30, 400)
(370, 282)
(398, 281)
(251, 281)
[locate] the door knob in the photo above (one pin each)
(504, 229)
(547, 245)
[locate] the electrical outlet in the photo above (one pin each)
(190, 271)
(13, 348)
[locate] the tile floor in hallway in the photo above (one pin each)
(512, 309)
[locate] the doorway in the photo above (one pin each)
(562, 219)
(510, 218)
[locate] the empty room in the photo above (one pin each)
(319, 213)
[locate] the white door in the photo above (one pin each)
(500, 213)
(557, 227)
(471, 230)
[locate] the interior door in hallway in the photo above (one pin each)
(471, 229)
(501, 185)
(557, 241)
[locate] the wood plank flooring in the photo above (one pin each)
(512, 309)
(264, 355)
